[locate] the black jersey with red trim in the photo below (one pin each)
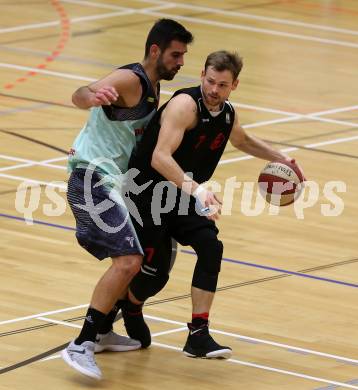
(201, 147)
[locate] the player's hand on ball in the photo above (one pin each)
(280, 182)
(294, 162)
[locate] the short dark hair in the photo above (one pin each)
(164, 32)
(223, 60)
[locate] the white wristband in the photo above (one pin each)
(198, 191)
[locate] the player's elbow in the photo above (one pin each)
(240, 141)
(158, 160)
(80, 99)
(74, 99)
(237, 142)
(77, 101)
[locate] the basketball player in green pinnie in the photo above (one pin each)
(121, 104)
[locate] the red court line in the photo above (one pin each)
(64, 36)
(327, 7)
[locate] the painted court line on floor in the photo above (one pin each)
(237, 26)
(183, 326)
(299, 274)
(236, 361)
(312, 116)
(231, 13)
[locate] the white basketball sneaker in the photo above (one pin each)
(112, 341)
(81, 358)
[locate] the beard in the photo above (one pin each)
(209, 98)
(163, 72)
(212, 101)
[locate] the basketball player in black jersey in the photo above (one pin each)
(183, 144)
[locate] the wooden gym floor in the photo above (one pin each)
(287, 299)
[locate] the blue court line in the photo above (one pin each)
(193, 253)
(281, 270)
(351, 382)
(37, 222)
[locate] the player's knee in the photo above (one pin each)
(209, 255)
(208, 265)
(144, 286)
(128, 265)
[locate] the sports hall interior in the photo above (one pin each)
(288, 288)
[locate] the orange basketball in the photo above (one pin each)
(280, 182)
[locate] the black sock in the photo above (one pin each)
(199, 320)
(93, 322)
(107, 324)
(132, 309)
(134, 323)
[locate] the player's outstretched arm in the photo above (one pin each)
(257, 147)
(254, 146)
(121, 86)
